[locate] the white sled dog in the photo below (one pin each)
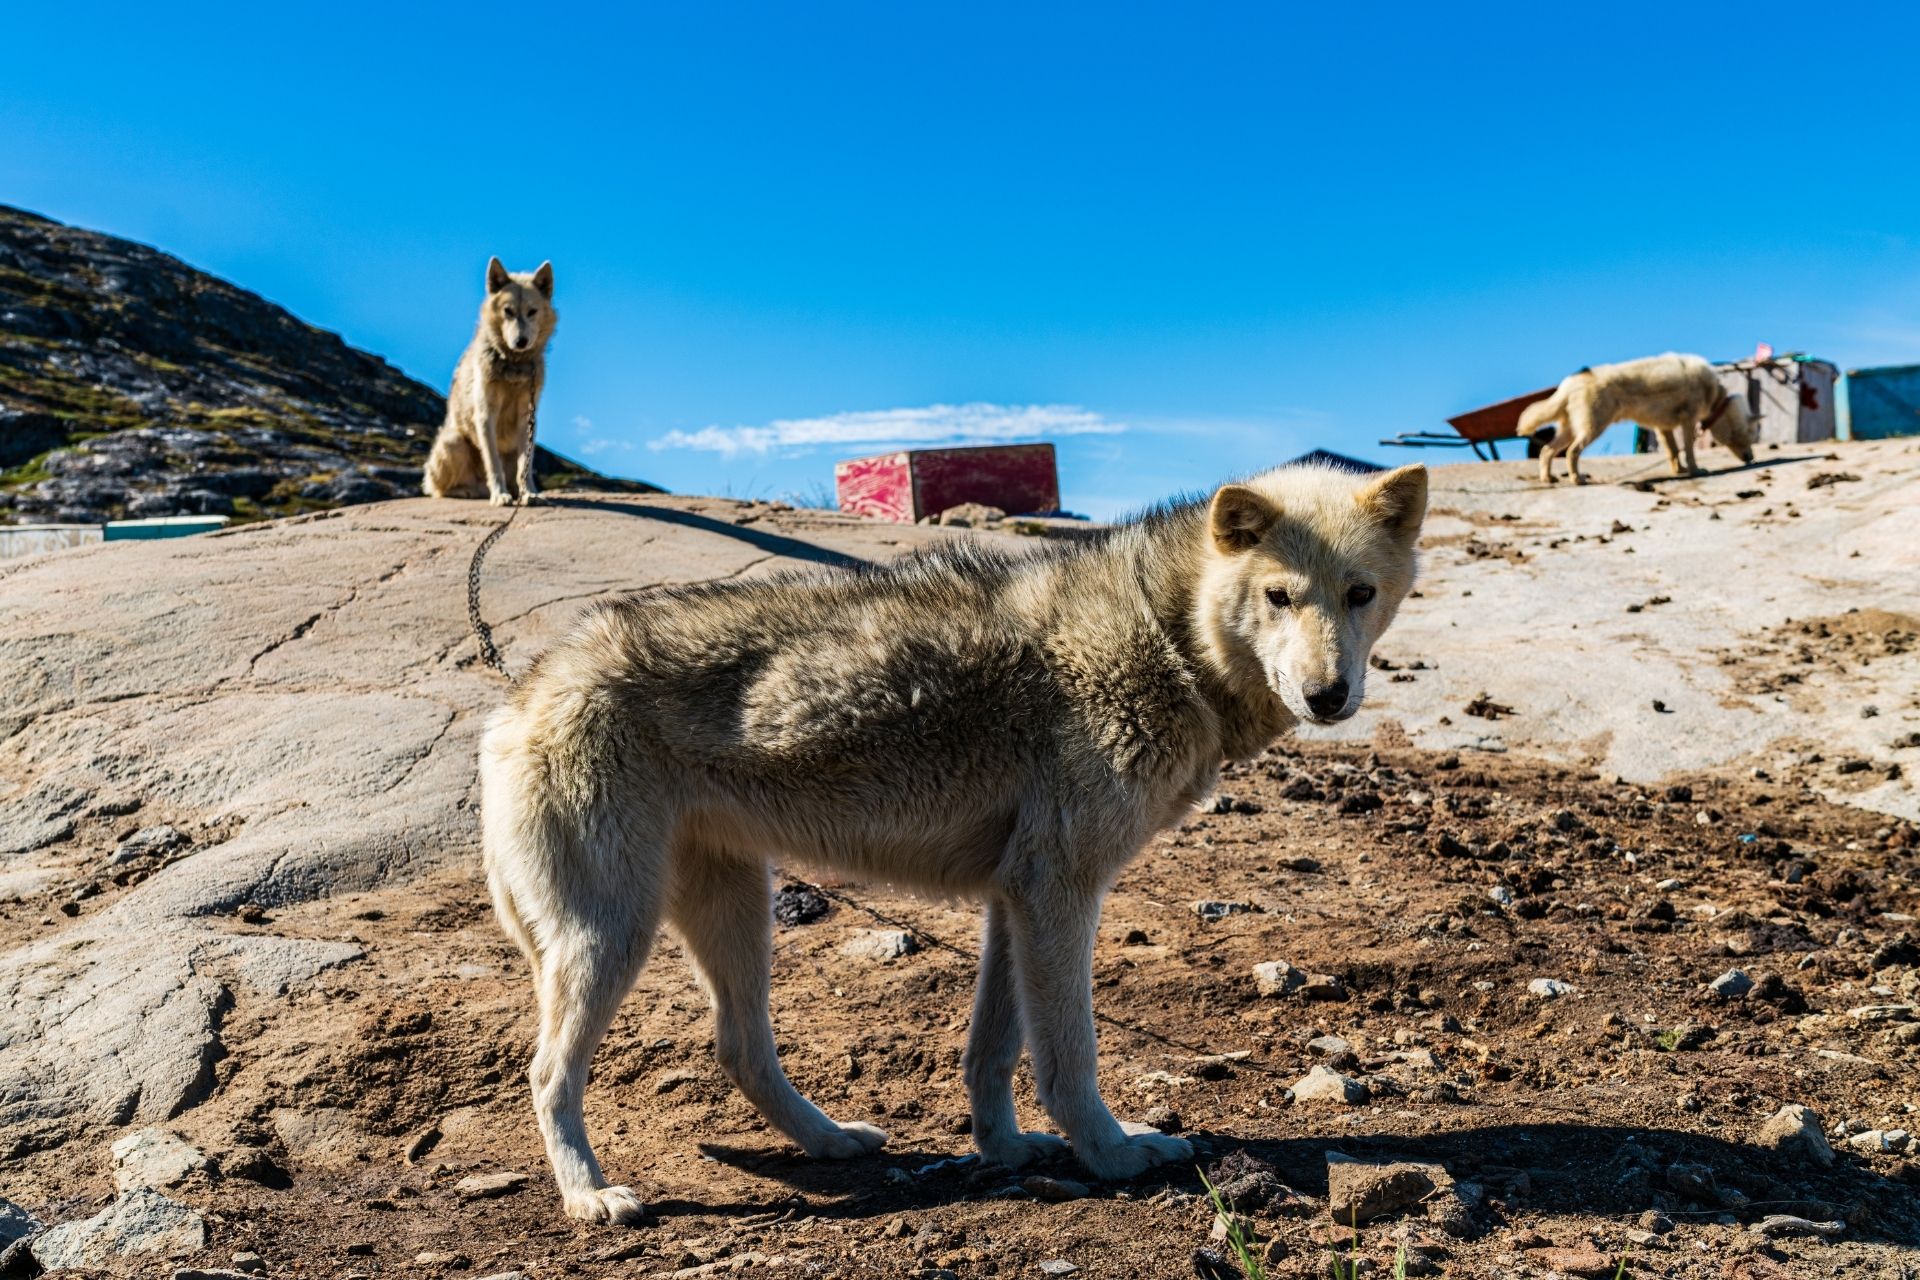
(1670, 394)
(488, 434)
(966, 722)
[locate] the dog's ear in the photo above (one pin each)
(543, 279)
(1397, 500)
(1239, 517)
(497, 277)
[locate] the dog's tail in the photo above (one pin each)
(1543, 413)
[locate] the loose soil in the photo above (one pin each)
(1433, 886)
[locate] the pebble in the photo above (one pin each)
(154, 1157)
(434, 1258)
(1785, 1224)
(1731, 985)
(1501, 896)
(1057, 1267)
(1323, 986)
(879, 945)
(488, 1186)
(1574, 1262)
(1361, 1192)
(1796, 1130)
(1330, 1046)
(209, 1273)
(147, 842)
(138, 1222)
(248, 1261)
(1324, 1084)
(1054, 1190)
(1548, 988)
(1211, 910)
(1277, 978)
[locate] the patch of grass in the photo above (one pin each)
(1240, 1241)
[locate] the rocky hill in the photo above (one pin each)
(133, 385)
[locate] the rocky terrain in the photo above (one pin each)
(133, 385)
(1526, 977)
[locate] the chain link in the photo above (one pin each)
(481, 631)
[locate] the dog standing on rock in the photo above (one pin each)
(1009, 726)
(488, 434)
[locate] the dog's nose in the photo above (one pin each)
(519, 344)
(1328, 700)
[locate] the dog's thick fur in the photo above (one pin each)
(965, 722)
(488, 434)
(1670, 394)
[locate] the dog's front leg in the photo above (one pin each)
(488, 420)
(1688, 434)
(1051, 926)
(993, 1051)
(529, 491)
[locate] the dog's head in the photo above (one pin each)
(1734, 429)
(518, 314)
(1305, 568)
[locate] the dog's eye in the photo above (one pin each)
(1278, 598)
(510, 313)
(1359, 595)
(532, 312)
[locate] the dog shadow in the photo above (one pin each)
(1548, 1169)
(759, 539)
(1758, 464)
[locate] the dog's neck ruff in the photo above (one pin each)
(1720, 403)
(512, 366)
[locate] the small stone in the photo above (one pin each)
(1731, 985)
(1054, 1190)
(1211, 910)
(1164, 1118)
(1501, 896)
(1361, 1192)
(436, 1258)
(1329, 1046)
(797, 904)
(1574, 1262)
(209, 1273)
(1057, 1267)
(154, 1158)
(1548, 988)
(880, 945)
(971, 515)
(1324, 1084)
(1796, 1130)
(489, 1186)
(139, 1223)
(1277, 978)
(1873, 1141)
(1659, 1223)
(1323, 986)
(1775, 1225)
(1884, 1013)
(148, 842)
(250, 1262)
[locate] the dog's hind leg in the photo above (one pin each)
(1688, 434)
(593, 940)
(723, 912)
(993, 1051)
(1550, 450)
(1051, 924)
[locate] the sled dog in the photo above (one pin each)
(1671, 395)
(488, 434)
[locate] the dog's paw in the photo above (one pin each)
(532, 500)
(1579, 479)
(500, 499)
(1143, 1148)
(848, 1141)
(1014, 1149)
(618, 1206)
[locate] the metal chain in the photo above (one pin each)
(481, 631)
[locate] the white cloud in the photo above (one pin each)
(932, 424)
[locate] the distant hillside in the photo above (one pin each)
(133, 385)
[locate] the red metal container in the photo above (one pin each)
(1497, 421)
(1020, 479)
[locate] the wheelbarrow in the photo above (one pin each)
(1476, 427)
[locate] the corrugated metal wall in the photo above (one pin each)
(1791, 400)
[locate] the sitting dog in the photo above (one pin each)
(968, 721)
(1669, 394)
(488, 434)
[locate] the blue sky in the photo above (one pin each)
(1182, 241)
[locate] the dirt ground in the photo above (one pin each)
(340, 1135)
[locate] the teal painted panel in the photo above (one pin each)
(1884, 402)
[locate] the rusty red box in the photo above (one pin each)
(1020, 479)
